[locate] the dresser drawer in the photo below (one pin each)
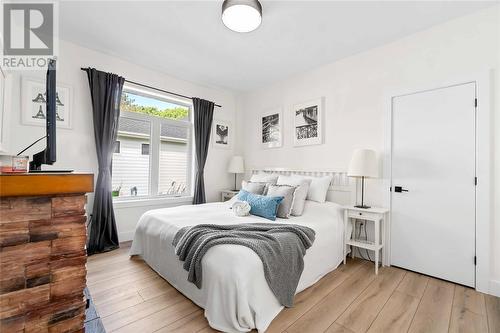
(363, 215)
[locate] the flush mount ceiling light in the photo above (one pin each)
(242, 15)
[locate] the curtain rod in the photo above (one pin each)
(153, 88)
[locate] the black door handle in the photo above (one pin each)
(399, 189)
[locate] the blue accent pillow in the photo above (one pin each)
(260, 205)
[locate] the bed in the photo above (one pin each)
(235, 294)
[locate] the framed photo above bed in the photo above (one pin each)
(308, 123)
(222, 134)
(272, 129)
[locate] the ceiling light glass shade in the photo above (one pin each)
(242, 15)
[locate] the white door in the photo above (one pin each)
(433, 183)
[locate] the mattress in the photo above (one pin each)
(235, 294)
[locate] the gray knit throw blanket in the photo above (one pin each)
(281, 247)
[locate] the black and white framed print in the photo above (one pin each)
(271, 129)
(222, 134)
(33, 103)
(308, 123)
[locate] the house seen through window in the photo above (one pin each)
(145, 149)
(117, 147)
(152, 153)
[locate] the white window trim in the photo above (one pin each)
(151, 201)
(154, 153)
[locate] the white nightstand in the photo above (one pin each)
(375, 215)
(227, 194)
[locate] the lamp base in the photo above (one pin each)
(362, 206)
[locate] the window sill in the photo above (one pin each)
(151, 201)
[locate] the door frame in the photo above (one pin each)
(483, 159)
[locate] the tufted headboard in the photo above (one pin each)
(341, 191)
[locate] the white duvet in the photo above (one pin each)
(235, 294)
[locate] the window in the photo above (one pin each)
(117, 147)
(153, 152)
(130, 169)
(145, 149)
(173, 159)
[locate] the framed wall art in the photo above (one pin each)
(222, 134)
(33, 103)
(308, 123)
(272, 129)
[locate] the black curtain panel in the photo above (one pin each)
(105, 92)
(203, 116)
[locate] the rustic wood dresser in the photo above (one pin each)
(42, 252)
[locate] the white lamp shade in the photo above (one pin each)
(363, 164)
(236, 165)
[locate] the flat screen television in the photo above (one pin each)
(48, 155)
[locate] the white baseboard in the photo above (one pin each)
(126, 236)
(495, 288)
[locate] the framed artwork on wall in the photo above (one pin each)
(308, 123)
(272, 129)
(33, 103)
(222, 134)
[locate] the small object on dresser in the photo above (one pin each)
(20, 163)
(14, 164)
(6, 163)
(228, 194)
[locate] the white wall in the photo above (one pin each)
(76, 147)
(356, 90)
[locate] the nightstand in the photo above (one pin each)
(375, 215)
(227, 194)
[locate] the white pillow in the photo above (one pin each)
(318, 188)
(300, 195)
(254, 187)
(288, 194)
(264, 178)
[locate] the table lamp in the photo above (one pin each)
(363, 165)
(236, 166)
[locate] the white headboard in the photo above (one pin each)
(341, 191)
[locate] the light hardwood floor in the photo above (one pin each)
(130, 297)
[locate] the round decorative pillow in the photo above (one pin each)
(241, 208)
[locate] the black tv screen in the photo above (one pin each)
(48, 155)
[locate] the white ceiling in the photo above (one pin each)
(187, 39)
